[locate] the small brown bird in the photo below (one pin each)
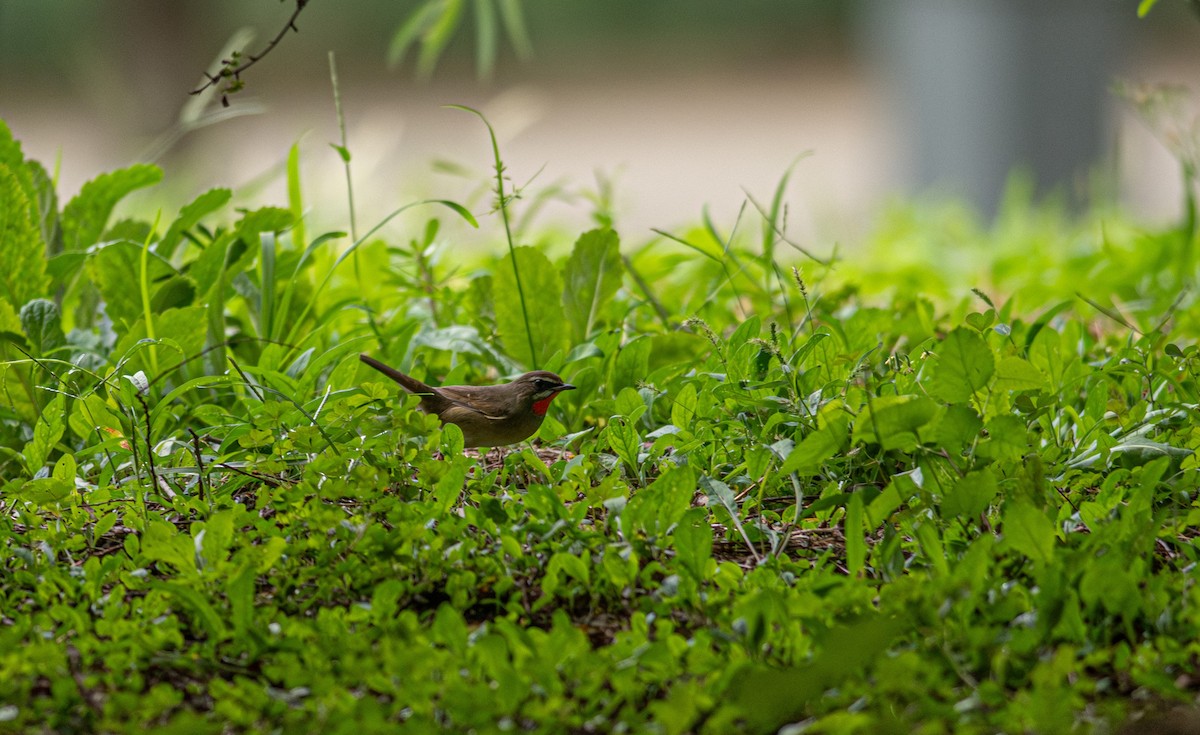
(489, 415)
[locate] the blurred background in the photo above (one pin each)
(660, 108)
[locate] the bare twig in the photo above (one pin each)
(232, 70)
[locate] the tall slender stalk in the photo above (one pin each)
(502, 203)
(343, 150)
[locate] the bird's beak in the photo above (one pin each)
(565, 386)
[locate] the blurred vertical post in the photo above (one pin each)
(981, 87)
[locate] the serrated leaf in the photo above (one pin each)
(591, 278)
(42, 324)
(29, 174)
(264, 219)
(964, 366)
(9, 321)
(84, 217)
(22, 252)
(542, 312)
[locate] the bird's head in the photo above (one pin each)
(540, 387)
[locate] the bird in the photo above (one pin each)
(489, 415)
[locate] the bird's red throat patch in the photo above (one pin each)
(541, 407)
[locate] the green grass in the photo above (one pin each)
(893, 492)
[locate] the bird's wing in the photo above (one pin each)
(457, 410)
(472, 397)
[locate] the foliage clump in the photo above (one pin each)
(850, 494)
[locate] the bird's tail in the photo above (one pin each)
(410, 384)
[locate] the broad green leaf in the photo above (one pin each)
(200, 611)
(218, 535)
(893, 421)
(542, 289)
(264, 219)
(269, 553)
(1136, 450)
(44, 199)
(450, 487)
(1007, 439)
(683, 408)
(564, 573)
(240, 588)
(42, 324)
(899, 491)
(964, 366)
(114, 269)
(807, 457)
(22, 252)
(958, 426)
(92, 419)
(163, 542)
(84, 217)
(623, 438)
(591, 278)
(45, 490)
(629, 404)
(632, 363)
(970, 496)
(931, 546)
(181, 330)
(174, 293)
(1027, 530)
(64, 469)
(189, 217)
(46, 433)
(769, 698)
(694, 543)
(1015, 373)
(653, 510)
(1110, 582)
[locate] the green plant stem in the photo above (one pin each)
(345, 153)
(502, 203)
(144, 287)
